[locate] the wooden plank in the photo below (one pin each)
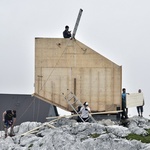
(34, 129)
(134, 99)
(97, 113)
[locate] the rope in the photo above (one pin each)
(80, 47)
(27, 108)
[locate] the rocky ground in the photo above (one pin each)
(67, 134)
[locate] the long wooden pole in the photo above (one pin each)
(33, 130)
(65, 116)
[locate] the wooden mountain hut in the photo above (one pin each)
(62, 64)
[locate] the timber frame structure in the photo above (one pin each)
(62, 64)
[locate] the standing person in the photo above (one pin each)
(67, 33)
(140, 108)
(9, 119)
(124, 108)
(85, 110)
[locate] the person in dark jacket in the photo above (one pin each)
(67, 33)
(9, 119)
(124, 108)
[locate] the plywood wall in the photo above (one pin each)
(62, 64)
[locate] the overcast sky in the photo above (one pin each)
(117, 29)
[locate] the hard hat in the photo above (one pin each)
(86, 104)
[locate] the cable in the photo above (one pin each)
(52, 70)
(27, 108)
(54, 66)
(80, 47)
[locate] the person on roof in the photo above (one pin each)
(9, 119)
(85, 110)
(67, 33)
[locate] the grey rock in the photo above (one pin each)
(69, 134)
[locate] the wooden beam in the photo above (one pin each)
(34, 129)
(97, 113)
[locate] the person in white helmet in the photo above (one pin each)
(85, 110)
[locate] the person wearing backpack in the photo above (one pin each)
(9, 119)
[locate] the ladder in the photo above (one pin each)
(75, 103)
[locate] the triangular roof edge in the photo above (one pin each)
(84, 45)
(98, 53)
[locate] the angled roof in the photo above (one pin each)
(62, 64)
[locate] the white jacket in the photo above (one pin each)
(85, 111)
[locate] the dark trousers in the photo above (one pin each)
(124, 113)
(139, 109)
(85, 119)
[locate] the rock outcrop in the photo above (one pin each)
(67, 134)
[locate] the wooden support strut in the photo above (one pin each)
(34, 130)
(65, 116)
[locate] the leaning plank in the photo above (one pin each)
(51, 126)
(33, 130)
(59, 117)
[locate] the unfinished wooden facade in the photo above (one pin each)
(62, 64)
